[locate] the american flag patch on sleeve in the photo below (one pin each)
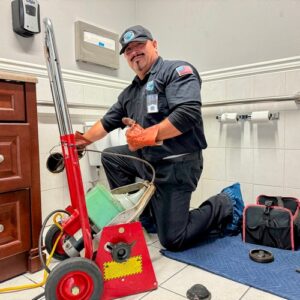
(184, 70)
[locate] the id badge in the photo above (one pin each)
(152, 103)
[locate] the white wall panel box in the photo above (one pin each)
(96, 45)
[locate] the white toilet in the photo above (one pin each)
(114, 138)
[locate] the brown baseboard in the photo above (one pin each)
(34, 262)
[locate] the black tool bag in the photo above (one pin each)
(273, 221)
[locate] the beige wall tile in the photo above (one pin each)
(268, 167)
(291, 169)
(214, 164)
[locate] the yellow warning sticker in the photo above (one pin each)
(113, 269)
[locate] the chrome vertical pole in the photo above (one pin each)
(54, 72)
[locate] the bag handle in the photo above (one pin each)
(268, 205)
(279, 201)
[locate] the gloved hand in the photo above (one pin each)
(81, 142)
(138, 137)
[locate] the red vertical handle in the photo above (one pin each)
(76, 189)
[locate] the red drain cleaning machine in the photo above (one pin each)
(120, 264)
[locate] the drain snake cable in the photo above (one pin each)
(85, 150)
(42, 283)
(125, 156)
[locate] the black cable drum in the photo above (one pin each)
(55, 162)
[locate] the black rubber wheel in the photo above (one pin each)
(50, 239)
(76, 278)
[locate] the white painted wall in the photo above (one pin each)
(214, 34)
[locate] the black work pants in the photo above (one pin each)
(178, 227)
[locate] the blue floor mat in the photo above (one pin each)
(229, 257)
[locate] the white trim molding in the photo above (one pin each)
(277, 65)
(40, 71)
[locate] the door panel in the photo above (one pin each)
(14, 156)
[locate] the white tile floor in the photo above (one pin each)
(174, 279)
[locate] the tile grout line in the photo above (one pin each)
(168, 291)
(248, 289)
(173, 275)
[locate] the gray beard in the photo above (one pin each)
(138, 66)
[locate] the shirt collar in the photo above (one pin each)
(156, 66)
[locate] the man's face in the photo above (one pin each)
(141, 56)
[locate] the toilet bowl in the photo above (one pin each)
(114, 138)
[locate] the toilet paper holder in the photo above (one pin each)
(233, 117)
(265, 116)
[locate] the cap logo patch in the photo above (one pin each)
(184, 70)
(150, 85)
(128, 36)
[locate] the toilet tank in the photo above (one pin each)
(114, 138)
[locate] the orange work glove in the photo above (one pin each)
(138, 137)
(81, 142)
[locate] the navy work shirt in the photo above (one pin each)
(175, 87)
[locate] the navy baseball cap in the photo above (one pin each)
(135, 33)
